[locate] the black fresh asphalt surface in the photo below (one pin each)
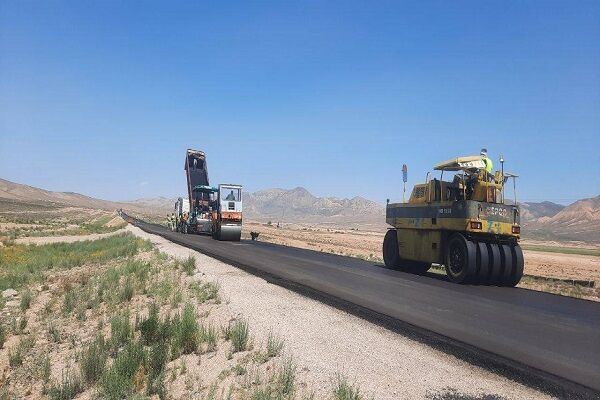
(555, 336)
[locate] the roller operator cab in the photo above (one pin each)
(227, 224)
(463, 223)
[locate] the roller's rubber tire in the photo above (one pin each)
(507, 264)
(461, 260)
(483, 264)
(518, 263)
(495, 264)
(391, 254)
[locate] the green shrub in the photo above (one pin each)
(208, 335)
(163, 289)
(274, 345)
(117, 381)
(21, 325)
(2, 336)
(206, 291)
(187, 331)
(139, 269)
(226, 331)
(121, 331)
(189, 265)
(26, 299)
(69, 387)
(149, 327)
(15, 358)
(70, 300)
(345, 391)
(157, 361)
(286, 378)
(240, 335)
(93, 360)
(54, 332)
(127, 291)
(45, 369)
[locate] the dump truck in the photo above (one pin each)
(209, 210)
(464, 224)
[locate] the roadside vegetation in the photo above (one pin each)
(114, 318)
(21, 265)
(55, 221)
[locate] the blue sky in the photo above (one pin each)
(103, 98)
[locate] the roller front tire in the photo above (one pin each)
(461, 260)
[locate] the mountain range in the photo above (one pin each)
(544, 220)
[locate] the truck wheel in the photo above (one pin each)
(460, 259)
(391, 255)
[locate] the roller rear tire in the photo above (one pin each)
(507, 264)
(495, 263)
(391, 254)
(518, 263)
(483, 264)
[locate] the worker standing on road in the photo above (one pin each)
(489, 166)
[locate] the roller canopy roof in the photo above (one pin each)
(461, 163)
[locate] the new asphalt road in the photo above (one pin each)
(553, 335)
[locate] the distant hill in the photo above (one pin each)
(160, 203)
(533, 211)
(300, 206)
(29, 194)
(578, 221)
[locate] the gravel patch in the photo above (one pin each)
(326, 341)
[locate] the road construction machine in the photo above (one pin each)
(464, 224)
(209, 210)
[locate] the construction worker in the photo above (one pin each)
(489, 166)
(230, 196)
